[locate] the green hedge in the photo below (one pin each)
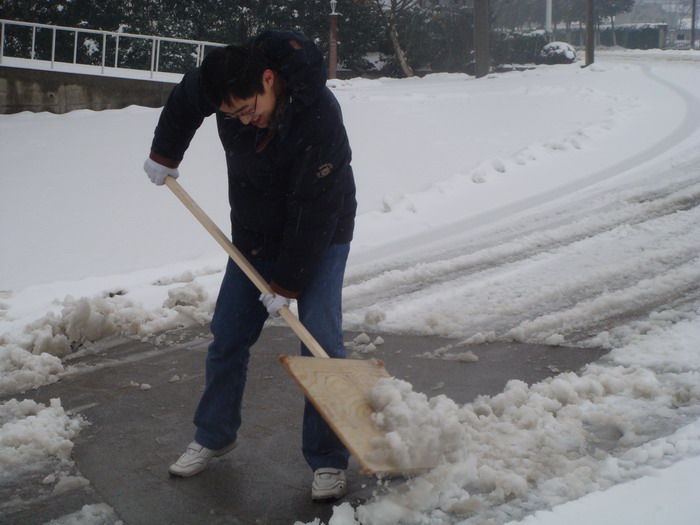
(635, 36)
(518, 48)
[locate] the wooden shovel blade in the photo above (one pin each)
(339, 389)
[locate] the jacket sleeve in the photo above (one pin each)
(321, 176)
(180, 118)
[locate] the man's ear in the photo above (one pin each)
(268, 77)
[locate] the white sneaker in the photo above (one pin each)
(328, 484)
(196, 458)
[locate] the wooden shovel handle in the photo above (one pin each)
(247, 268)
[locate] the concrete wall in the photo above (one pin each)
(33, 90)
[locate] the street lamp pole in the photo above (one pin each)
(333, 41)
(693, 23)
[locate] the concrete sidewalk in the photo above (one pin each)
(140, 398)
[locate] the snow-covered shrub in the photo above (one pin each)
(557, 53)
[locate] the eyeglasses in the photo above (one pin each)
(229, 116)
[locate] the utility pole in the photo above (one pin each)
(548, 19)
(482, 52)
(590, 33)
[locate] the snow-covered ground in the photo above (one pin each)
(557, 206)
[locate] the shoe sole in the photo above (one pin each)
(329, 498)
(185, 474)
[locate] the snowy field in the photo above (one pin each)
(556, 206)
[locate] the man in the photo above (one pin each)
(292, 197)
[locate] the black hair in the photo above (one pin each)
(233, 71)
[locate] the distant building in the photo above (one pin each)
(675, 14)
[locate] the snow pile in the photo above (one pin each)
(418, 431)
(32, 432)
(21, 370)
(32, 358)
(36, 442)
(536, 447)
(96, 514)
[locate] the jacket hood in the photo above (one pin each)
(298, 60)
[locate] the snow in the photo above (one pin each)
(659, 498)
(556, 206)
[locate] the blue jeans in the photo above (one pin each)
(236, 325)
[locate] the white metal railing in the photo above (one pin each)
(156, 41)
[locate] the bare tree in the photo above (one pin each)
(390, 11)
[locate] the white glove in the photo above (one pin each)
(157, 172)
(274, 302)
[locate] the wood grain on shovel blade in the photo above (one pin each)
(339, 389)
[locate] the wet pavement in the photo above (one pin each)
(139, 398)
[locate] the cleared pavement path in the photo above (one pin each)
(140, 415)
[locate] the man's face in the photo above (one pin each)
(257, 110)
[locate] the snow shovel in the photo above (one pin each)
(338, 388)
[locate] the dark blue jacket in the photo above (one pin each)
(294, 197)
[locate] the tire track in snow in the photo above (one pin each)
(685, 129)
(618, 246)
(518, 243)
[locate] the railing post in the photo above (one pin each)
(158, 56)
(33, 42)
(116, 53)
(104, 51)
(53, 47)
(75, 48)
(153, 56)
(2, 41)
